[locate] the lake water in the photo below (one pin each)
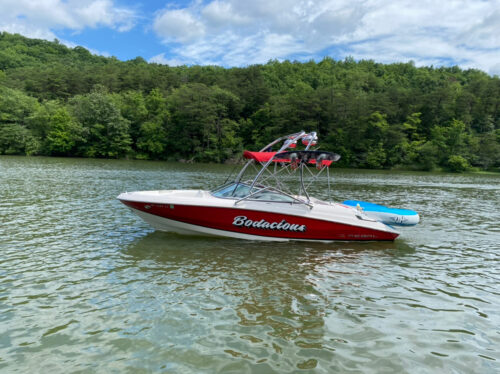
(86, 286)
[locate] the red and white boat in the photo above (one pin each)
(262, 208)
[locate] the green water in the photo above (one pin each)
(86, 286)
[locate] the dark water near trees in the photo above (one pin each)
(86, 286)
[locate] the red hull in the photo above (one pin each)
(260, 223)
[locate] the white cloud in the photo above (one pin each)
(42, 17)
(495, 69)
(178, 25)
(27, 30)
(219, 14)
(233, 32)
(161, 59)
(70, 44)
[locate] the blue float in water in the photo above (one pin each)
(389, 216)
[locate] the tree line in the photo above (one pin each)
(60, 101)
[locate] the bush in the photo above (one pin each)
(457, 164)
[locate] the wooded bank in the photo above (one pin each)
(61, 101)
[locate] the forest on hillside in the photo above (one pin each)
(60, 101)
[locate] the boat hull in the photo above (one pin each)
(253, 224)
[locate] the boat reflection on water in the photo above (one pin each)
(277, 305)
(163, 245)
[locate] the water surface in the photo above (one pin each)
(86, 286)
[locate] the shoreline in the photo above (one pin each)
(475, 171)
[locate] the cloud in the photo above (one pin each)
(70, 44)
(218, 14)
(178, 25)
(41, 18)
(161, 59)
(232, 32)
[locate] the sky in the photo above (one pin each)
(241, 33)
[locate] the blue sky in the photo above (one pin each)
(240, 33)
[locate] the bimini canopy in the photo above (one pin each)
(311, 157)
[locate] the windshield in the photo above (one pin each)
(240, 190)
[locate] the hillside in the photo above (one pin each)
(61, 101)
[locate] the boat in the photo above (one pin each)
(264, 206)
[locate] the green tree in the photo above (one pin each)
(449, 140)
(64, 133)
(15, 106)
(152, 140)
(132, 106)
(376, 157)
(489, 150)
(197, 127)
(14, 139)
(457, 163)
(106, 132)
(412, 125)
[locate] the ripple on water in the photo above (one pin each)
(87, 286)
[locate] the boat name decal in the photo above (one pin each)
(242, 221)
